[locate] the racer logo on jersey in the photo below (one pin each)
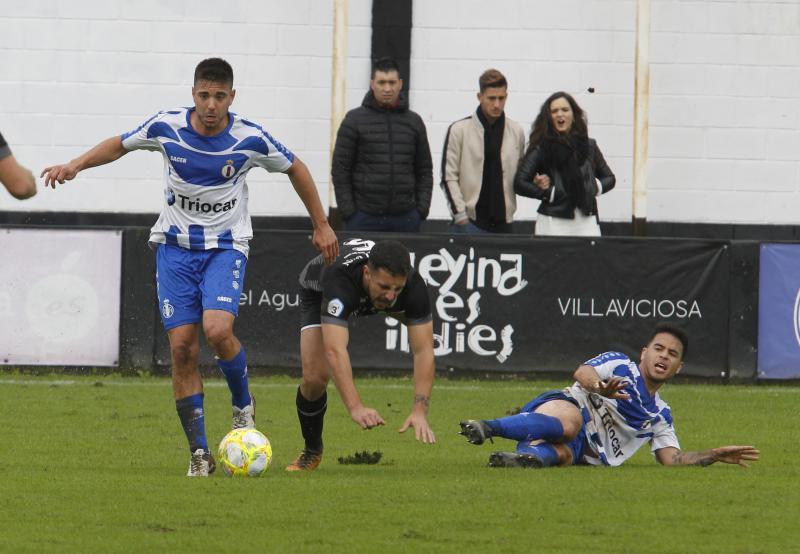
(335, 307)
(167, 310)
(228, 170)
(170, 194)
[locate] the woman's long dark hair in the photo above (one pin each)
(542, 127)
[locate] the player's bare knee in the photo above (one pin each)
(218, 335)
(183, 354)
(315, 379)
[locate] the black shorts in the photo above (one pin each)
(310, 302)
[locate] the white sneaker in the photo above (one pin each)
(245, 418)
(201, 464)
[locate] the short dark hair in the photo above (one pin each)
(673, 330)
(492, 78)
(392, 256)
(215, 70)
(386, 65)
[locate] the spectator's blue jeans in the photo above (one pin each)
(468, 228)
(408, 222)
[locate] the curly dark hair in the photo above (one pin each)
(542, 126)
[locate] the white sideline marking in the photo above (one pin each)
(221, 384)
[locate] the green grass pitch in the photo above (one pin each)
(98, 465)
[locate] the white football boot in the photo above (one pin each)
(245, 418)
(201, 464)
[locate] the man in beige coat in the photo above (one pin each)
(480, 158)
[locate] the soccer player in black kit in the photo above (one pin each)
(368, 278)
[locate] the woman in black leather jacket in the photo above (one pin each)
(565, 169)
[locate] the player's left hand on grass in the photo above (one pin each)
(367, 418)
(736, 454)
(422, 430)
(326, 242)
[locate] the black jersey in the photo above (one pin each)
(342, 293)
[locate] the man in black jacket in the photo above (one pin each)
(382, 171)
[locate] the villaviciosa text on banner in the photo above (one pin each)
(509, 304)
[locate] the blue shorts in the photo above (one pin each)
(577, 444)
(192, 281)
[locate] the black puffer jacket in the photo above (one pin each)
(382, 161)
(563, 205)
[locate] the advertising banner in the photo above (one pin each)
(508, 304)
(779, 312)
(60, 297)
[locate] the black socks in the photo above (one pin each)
(312, 415)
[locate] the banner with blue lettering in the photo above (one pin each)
(507, 303)
(779, 312)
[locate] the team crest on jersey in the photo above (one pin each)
(228, 170)
(167, 310)
(335, 307)
(170, 194)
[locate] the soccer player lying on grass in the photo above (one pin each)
(201, 239)
(606, 416)
(367, 279)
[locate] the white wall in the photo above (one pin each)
(725, 90)
(74, 73)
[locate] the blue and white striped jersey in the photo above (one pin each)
(205, 193)
(616, 429)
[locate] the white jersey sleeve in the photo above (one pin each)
(664, 435)
(141, 138)
(275, 157)
(611, 364)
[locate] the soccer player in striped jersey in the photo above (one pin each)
(201, 237)
(611, 410)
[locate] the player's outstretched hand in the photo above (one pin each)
(326, 242)
(739, 455)
(58, 173)
(613, 388)
(422, 430)
(366, 417)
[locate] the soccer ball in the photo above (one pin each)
(245, 453)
